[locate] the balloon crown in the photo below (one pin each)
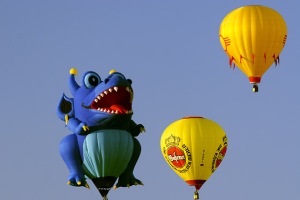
(188, 117)
(172, 140)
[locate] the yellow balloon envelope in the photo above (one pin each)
(194, 147)
(253, 37)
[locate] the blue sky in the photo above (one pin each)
(171, 51)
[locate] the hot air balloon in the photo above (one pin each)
(102, 145)
(253, 37)
(194, 147)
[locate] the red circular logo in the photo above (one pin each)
(221, 156)
(176, 156)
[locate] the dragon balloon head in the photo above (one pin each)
(97, 100)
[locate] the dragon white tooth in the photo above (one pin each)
(128, 89)
(105, 92)
(102, 95)
(110, 90)
(112, 112)
(131, 98)
(104, 110)
(101, 109)
(116, 89)
(117, 112)
(96, 100)
(108, 111)
(98, 97)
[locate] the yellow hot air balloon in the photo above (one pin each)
(253, 37)
(194, 147)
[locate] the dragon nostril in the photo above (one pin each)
(106, 80)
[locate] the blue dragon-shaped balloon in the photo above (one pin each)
(103, 146)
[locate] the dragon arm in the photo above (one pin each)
(76, 126)
(136, 129)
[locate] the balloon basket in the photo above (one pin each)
(255, 88)
(196, 195)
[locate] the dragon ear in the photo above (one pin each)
(65, 107)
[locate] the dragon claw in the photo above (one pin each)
(66, 119)
(142, 129)
(85, 128)
(127, 182)
(77, 181)
(87, 186)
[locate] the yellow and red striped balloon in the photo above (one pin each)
(253, 37)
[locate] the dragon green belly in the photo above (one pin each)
(106, 153)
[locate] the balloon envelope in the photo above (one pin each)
(106, 154)
(194, 147)
(253, 37)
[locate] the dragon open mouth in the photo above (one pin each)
(115, 100)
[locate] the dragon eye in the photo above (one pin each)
(91, 79)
